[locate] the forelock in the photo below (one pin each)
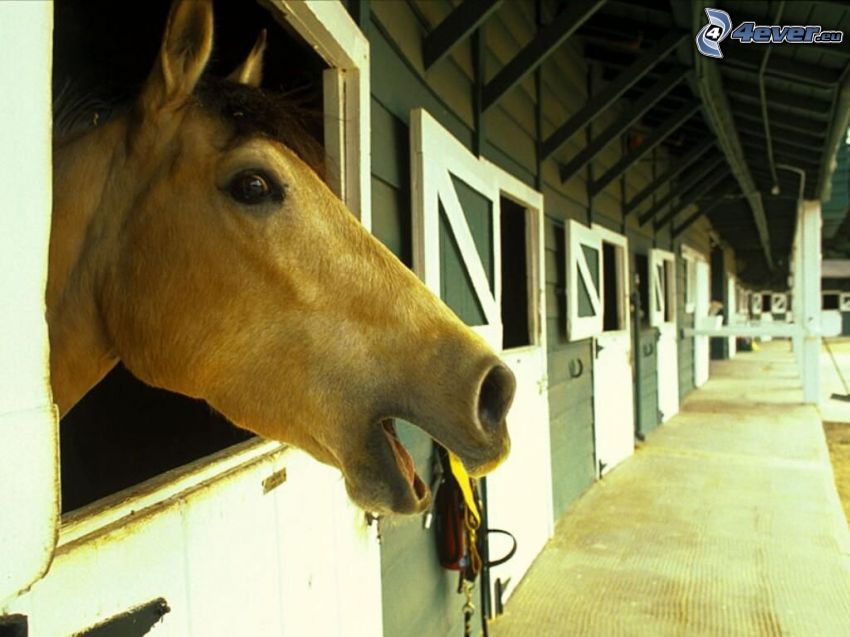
(253, 112)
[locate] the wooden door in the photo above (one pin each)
(663, 317)
(613, 401)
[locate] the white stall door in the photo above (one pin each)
(613, 405)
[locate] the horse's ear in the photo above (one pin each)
(183, 55)
(250, 72)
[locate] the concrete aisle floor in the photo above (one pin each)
(725, 522)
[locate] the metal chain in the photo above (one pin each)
(468, 607)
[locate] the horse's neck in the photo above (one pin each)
(80, 353)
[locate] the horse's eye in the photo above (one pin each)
(252, 187)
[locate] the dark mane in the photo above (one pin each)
(76, 110)
(255, 111)
(250, 111)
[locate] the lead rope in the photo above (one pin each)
(472, 522)
(470, 563)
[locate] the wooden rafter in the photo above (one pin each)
(664, 130)
(676, 168)
(698, 175)
(612, 92)
(455, 28)
(690, 199)
(631, 115)
(780, 119)
(547, 40)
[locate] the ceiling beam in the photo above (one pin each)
(749, 59)
(677, 166)
(787, 138)
(547, 40)
(688, 183)
(621, 32)
(779, 119)
(807, 163)
(839, 122)
(658, 135)
(612, 91)
(703, 210)
(758, 146)
(695, 194)
(631, 114)
(781, 100)
(455, 28)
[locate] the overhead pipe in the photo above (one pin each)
(774, 190)
(801, 173)
(796, 294)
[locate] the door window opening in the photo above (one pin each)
(830, 301)
(516, 306)
(690, 284)
(669, 300)
(613, 314)
(643, 283)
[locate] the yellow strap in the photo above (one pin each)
(462, 478)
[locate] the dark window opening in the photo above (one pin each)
(124, 432)
(766, 302)
(667, 291)
(561, 280)
(516, 308)
(830, 301)
(690, 281)
(643, 286)
(612, 310)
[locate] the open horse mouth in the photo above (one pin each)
(405, 465)
(380, 474)
(481, 446)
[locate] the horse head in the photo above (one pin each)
(214, 261)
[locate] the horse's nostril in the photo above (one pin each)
(495, 396)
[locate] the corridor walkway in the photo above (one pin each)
(725, 522)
